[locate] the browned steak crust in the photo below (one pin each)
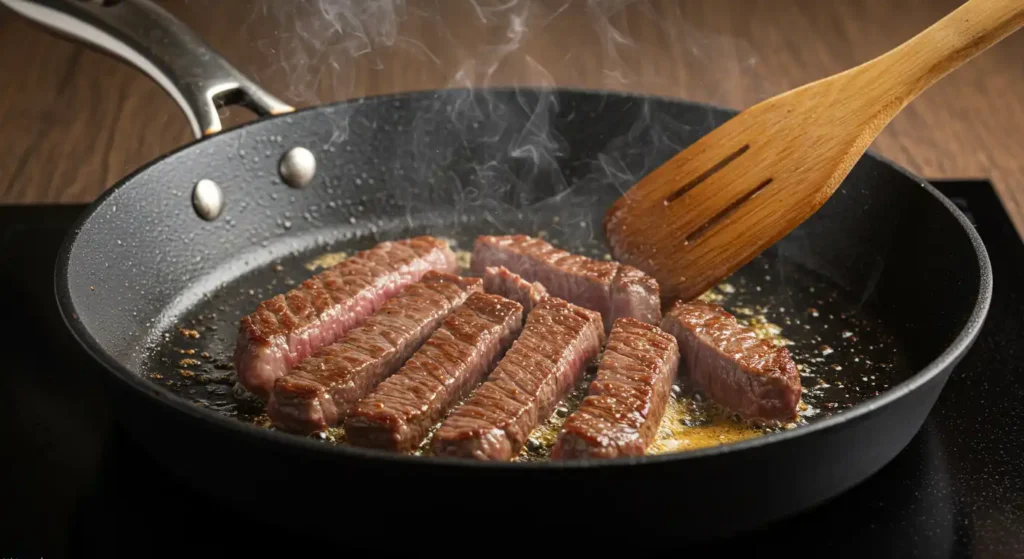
(731, 365)
(615, 290)
(539, 370)
(320, 390)
(626, 401)
(288, 328)
(399, 413)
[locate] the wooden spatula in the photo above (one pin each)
(715, 206)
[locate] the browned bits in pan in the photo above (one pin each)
(189, 333)
(862, 364)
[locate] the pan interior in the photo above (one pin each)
(845, 354)
(864, 294)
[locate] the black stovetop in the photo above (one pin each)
(75, 485)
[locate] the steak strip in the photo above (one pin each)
(288, 328)
(322, 388)
(731, 365)
(499, 280)
(399, 413)
(625, 403)
(538, 371)
(612, 289)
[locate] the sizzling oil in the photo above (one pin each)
(842, 356)
(325, 260)
(690, 421)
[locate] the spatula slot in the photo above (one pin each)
(725, 213)
(706, 174)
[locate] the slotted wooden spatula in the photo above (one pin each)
(716, 205)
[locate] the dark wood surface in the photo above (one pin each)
(74, 121)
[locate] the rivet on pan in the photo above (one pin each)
(207, 199)
(297, 167)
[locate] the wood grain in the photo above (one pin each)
(75, 121)
(752, 180)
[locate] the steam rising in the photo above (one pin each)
(510, 162)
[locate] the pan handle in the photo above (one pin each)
(155, 42)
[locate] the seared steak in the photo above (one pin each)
(612, 289)
(399, 413)
(540, 369)
(287, 328)
(321, 389)
(624, 405)
(731, 365)
(501, 281)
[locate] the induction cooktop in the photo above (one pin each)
(75, 484)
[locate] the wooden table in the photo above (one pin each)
(74, 122)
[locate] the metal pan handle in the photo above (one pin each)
(155, 42)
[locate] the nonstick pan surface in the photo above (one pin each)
(881, 292)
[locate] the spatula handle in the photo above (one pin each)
(923, 60)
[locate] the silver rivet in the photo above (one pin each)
(297, 167)
(207, 199)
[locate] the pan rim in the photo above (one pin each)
(162, 396)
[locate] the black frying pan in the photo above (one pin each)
(881, 292)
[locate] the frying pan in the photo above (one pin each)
(881, 292)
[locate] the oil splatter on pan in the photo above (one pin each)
(843, 354)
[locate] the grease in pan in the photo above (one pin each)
(843, 357)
